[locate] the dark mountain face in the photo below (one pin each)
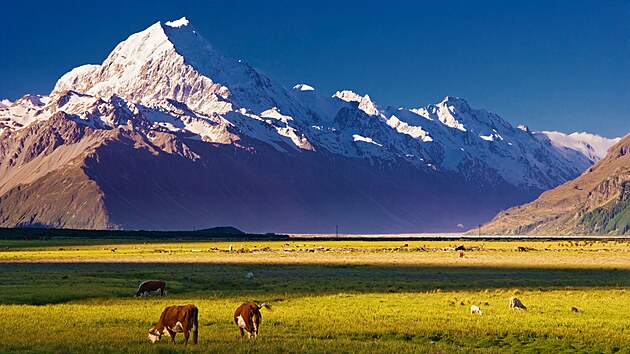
(125, 180)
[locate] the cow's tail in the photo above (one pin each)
(265, 306)
(195, 324)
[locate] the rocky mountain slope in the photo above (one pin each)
(597, 202)
(167, 133)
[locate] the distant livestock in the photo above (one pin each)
(176, 319)
(475, 310)
(148, 286)
(248, 318)
(249, 275)
(515, 303)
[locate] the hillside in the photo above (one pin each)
(597, 202)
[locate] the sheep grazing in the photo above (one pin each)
(515, 303)
(249, 275)
(475, 310)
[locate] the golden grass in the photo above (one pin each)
(343, 296)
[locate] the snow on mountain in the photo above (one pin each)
(593, 146)
(358, 137)
(413, 131)
(348, 96)
(168, 78)
(19, 114)
(365, 102)
(303, 87)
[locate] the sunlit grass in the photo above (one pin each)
(350, 296)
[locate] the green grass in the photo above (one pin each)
(355, 297)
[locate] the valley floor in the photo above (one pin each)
(331, 296)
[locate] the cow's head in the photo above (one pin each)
(154, 335)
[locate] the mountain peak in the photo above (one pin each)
(455, 104)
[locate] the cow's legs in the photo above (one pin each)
(172, 333)
(195, 330)
(185, 330)
(242, 332)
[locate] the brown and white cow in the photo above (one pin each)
(176, 319)
(248, 317)
(148, 286)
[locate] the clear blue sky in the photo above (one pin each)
(553, 65)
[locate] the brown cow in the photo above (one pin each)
(176, 319)
(248, 317)
(148, 286)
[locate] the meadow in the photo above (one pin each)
(76, 296)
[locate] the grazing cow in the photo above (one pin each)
(148, 286)
(475, 310)
(248, 317)
(176, 319)
(515, 303)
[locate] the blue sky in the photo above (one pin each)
(553, 65)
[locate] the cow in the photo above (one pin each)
(515, 303)
(148, 286)
(475, 309)
(248, 317)
(176, 319)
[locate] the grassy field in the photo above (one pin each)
(74, 296)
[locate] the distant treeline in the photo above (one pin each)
(216, 233)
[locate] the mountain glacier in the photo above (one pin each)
(167, 125)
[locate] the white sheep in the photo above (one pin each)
(249, 275)
(475, 310)
(515, 303)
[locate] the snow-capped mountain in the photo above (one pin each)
(225, 144)
(592, 146)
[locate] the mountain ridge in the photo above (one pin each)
(165, 99)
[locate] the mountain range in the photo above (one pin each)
(169, 134)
